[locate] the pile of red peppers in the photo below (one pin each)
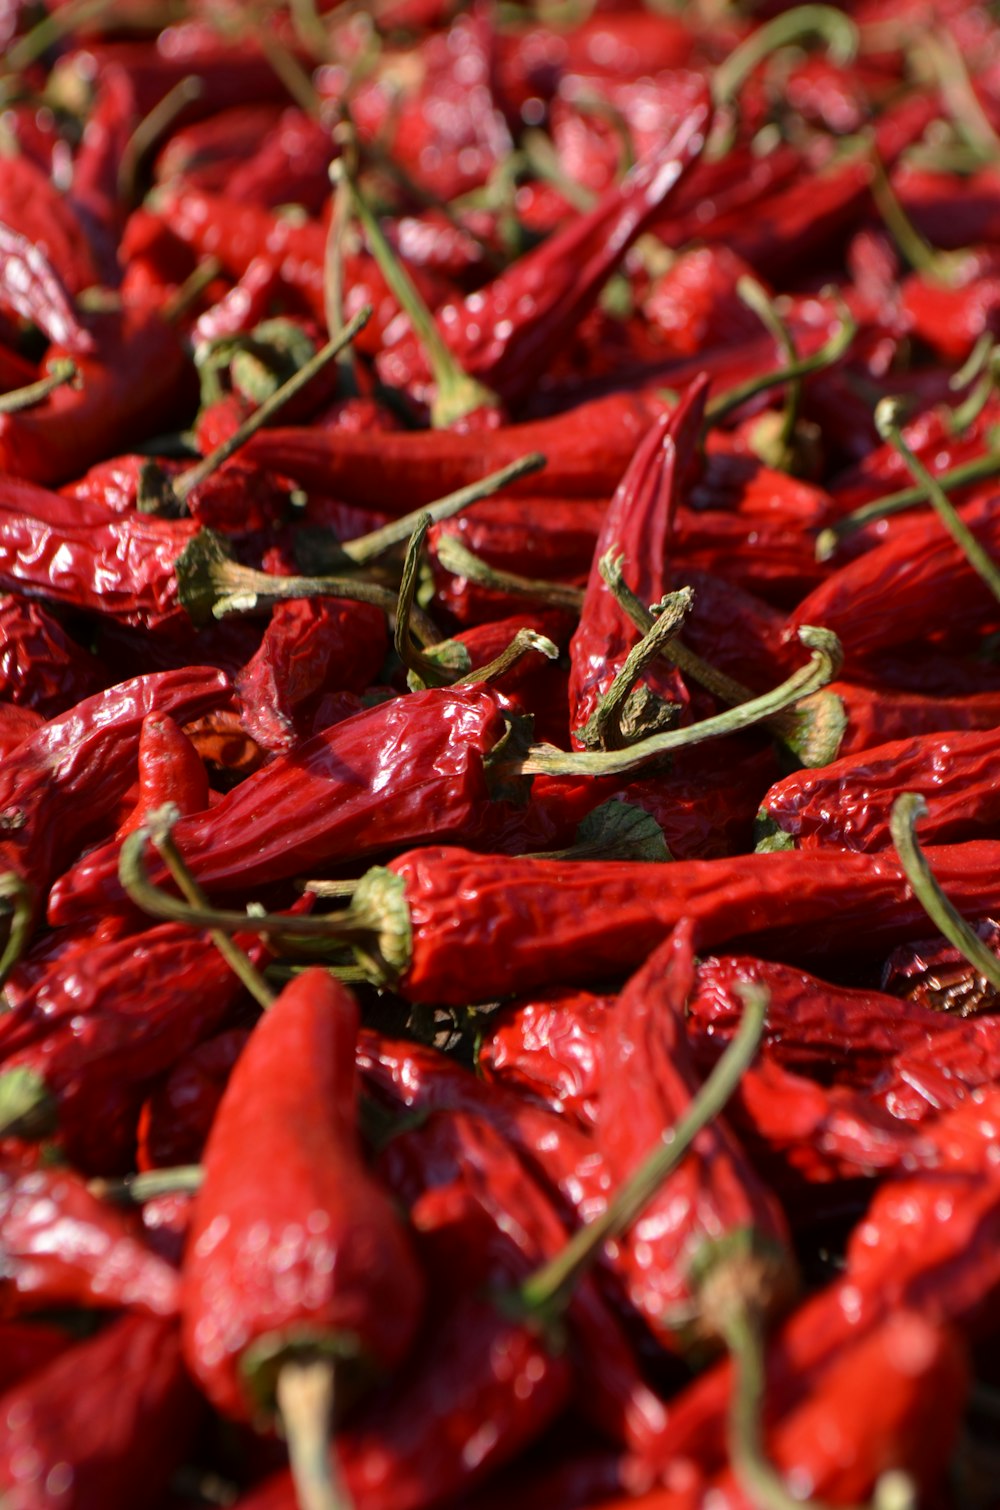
(499, 749)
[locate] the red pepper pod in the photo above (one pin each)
(104, 1264)
(848, 803)
(316, 1260)
(649, 1081)
(548, 1048)
(106, 1415)
(388, 775)
(637, 525)
(170, 770)
(446, 918)
(178, 1116)
(133, 385)
(877, 716)
(40, 666)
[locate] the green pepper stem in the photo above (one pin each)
(59, 374)
(305, 1396)
(22, 900)
(185, 484)
(887, 422)
(135, 1189)
(430, 672)
(457, 393)
(978, 470)
(192, 288)
(159, 826)
(756, 298)
(149, 130)
(830, 352)
(524, 643)
(58, 23)
(822, 667)
(550, 1287)
(608, 733)
(959, 96)
(158, 903)
(366, 547)
(915, 248)
(461, 562)
(906, 811)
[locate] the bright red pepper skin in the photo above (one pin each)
(170, 770)
(320, 1252)
(105, 1264)
(549, 923)
(848, 803)
(879, 716)
(648, 1083)
(113, 1016)
(549, 1048)
(309, 647)
(103, 1416)
(133, 385)
(16, 725)
(391, 773)
(31, 205)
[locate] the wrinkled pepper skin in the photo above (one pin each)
(522, 923)
(106, 1415)
(848, 803)
(318, 1252)
(388, 775)
(40, 666)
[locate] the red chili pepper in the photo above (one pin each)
(31, 287)
(921, 572)
(95, 194)
(848, 803)
(131, 387)
(16, 725)
(105, 1265)
(638, 524)
(877, 717)
(538, 922)
(116, 1014)
(102, 1416)
(550, 1049)
(309, 647)
(34, 209)
(504, 334)
(60, 787)
(170, 770)
(389, 775)
(647, 1085)
(317, 1259)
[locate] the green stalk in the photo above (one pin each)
(828, 541)
(461, 562)
(605, 731)
(159, 827)
(19, 898)
(457, 393)
(551, 1285)
(906, 810)
(822, 667)
(887, 422)
(781, 451)
(59, 374)
(830, 352)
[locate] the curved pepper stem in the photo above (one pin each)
(828, 541)
(21, 898)
(779, 450)
(457, 394)
(148, 132)
(906, 812)
(605, 731)
(461, 562)
(59, 374)
(887, 422)
(448, 660)
(136, 1189)
(831, 351)
(550, 1287)
(546, 760)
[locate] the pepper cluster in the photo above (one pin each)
(500, 555)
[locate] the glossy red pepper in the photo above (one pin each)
(40, 666)
(317, 1260)
(170, 770)
(178, 1116)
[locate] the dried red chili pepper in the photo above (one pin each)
(133, 385)
(178, 1116)
(104, 1414)
(560, 923)
(550, 1048)
(638, 524)
(388, 774)
(34, 210)
(319, 1263)
(170, 770)
(16, 725)
(105, 1264)
(30, 287)
(848, 803)
(880, 716)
